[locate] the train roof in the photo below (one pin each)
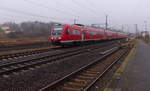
(78, 26)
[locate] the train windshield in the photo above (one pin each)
(57, 31)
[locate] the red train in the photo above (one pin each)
(72, 34)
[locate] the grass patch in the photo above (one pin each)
(146, 40)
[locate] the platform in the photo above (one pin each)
(136, 75)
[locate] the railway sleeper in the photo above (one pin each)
(74, 85)
(69, 89)
(80, 81)
(5, 69)
(85, 77)
(89, 74)
(77, 85)
(92, 71)
(14, 67)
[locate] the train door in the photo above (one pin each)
(70, 33)
(82, 35)
(66, 34)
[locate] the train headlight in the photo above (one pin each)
(59, 37)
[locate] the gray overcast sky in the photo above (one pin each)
(126, 12)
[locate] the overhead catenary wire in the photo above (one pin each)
(32, 17)
(20, 18)
(10, 18)
(46, 7)
(77, 15)
(83, 6)
(22, 12)
(70, 8)
(91, 4)
(58, 10)
(16, 16)
(52, 19)
(62, 12)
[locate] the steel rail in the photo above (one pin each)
(23, 46)
(21, 54)
(105, 71)
(13, 66)
(57, 83)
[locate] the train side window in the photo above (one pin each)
(74, 32)
(67, 31)
(77, 32)
(94, 33)
(89, 33)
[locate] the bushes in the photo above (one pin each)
(15, 34)
(1, 31)
(28, 29)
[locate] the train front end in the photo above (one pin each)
(56, 34)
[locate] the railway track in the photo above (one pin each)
(23, 46)
(44, 58)
(85, 78)
(23, 54)
(30, 53)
